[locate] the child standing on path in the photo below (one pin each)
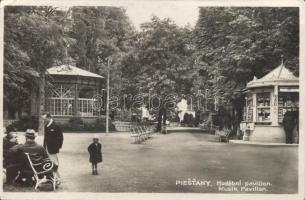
(95, 152)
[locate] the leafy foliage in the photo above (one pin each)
(100, 33)
(33, 42)
(226, 48)
(235, 44)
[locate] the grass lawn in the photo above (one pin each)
(156, 164)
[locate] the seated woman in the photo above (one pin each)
(10, 162)
(9, 140)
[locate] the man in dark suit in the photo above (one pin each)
(289, 122)
(53, 140)
(31, 147)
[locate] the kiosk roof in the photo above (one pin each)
(278, 76)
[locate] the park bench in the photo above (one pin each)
(223, 135)
(42, 171)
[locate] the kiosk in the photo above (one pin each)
(267, 100)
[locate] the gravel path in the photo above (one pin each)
(162, 161)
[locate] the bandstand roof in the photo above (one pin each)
(278, 76)
(69, 70)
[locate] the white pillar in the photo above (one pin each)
(274, 106)
(254, 107)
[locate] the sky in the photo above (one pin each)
(140, 12)
(181, 14)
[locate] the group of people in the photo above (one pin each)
(14, 153)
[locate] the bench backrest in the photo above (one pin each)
(41, 166)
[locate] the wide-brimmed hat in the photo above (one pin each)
(30, 133)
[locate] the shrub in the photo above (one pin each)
(76, 124)
(185, 118)
(191, 120)
(188, 120)
(175, 118)
(27, 122)
(100, 125)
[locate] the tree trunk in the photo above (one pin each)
(161, 121)
(34, 111)
(41, 103)
(159, 126)
(164, 116)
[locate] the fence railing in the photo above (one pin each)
(7, 122)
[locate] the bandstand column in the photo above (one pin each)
(76, 101)
(254, 107)
(274, 106)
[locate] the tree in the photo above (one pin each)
(235, 44)
(227, 47)
(18, 76)
(160, 61)
(100, 33)
(40, 37)
(41, 44)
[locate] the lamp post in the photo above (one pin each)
(246, 111)
(215, 103)
(107, 100)
(206, 99)
(149, 93)
(103, 102)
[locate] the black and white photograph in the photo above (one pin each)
(151, 98)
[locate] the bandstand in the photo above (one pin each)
(72, 93)
(267, 100)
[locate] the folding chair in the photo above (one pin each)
(142, 132)
(147, 133)
(135, 135)
(151, 129)
(139, 132)
(42, 171)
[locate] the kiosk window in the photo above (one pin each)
(248, 111)
(287, 101)
(263, 107)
